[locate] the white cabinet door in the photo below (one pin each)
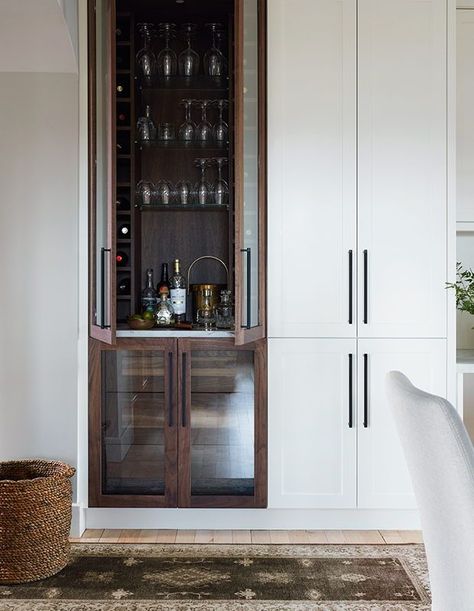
(311, 167)
(312, 447)
(465, 116)
(383, 477)
(402, 167)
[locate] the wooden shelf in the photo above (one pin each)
(190, 208)
(177, 145)
(182, 83)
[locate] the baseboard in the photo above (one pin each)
(253, 519)
(78, 522)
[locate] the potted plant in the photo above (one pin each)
(464, 289)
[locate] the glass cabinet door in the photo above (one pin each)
(220, 432)
(137, 416)
(250, 169)
(101, 169)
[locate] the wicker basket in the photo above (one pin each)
(35, 518)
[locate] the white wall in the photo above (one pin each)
(39, 261)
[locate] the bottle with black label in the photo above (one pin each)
(178, 292)
(149, 297)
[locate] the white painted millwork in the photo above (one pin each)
(402, 166)
(312, 164)
(383, 478)
(312, 450)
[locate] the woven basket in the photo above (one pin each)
(35, 518)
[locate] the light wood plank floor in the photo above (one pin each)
(381, 537)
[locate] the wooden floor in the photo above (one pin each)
(380, 537)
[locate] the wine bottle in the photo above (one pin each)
(149, 297)
(124, 231)
(121, 258)
(123, 286)
(122, 117)
(164, 285)
(122, 203)
(178, 292)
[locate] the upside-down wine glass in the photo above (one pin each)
(188, 60)
(204, 128)
(146, 59)
(164, 193)
(202, 189)
(167, 60)
(221, 187)
(221, 129)
(214, 61)
(186, 129)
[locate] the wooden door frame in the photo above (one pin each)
(185, 498)
(96, 497)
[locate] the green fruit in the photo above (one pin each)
(136, 317)
(148, 315)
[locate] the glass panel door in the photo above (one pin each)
(250, 152)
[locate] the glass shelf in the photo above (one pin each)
(176, 208)
(182, 83)
(195, 147)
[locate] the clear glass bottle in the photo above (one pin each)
(145, 127)
(206, 314)
(178, 292)
(224, 311)
(164, 315)
(149, 296)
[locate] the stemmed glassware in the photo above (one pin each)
(145, 127)
(202, 189)
(186, 129)
(183, 193)
(221, 187)
(145, 192)
(188, 60)
(167, 60)
(146, 59)
(164, 193)
(221, 129)
(214, 60)
(204, 128)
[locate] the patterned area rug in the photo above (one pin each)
(229, 578)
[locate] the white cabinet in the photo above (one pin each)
(312, 166)
(402, 167)
(312, 447)
(383, 478)
(465, 116)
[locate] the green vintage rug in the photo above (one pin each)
(103, 577)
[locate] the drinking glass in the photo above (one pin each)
(167, 61)
(188, 60)
(214, 60)
(164, 193)
(145, 192)
(204, 128)
(145, 127)
(166, 131)
(220, 130)
(221, 187)
(146, 59)
(183, 193)
(203, 189)
(186, 129)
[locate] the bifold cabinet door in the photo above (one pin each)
(384, 480)
(402, 168)
(312, 168)
(312, 423)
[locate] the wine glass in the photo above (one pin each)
(221, 187)
(221, 129)
(164, 192)
(183, 193)
(214, 61)
(186, 129)
(145, 127)
(167, 61)
(145, 192)
(146, 59)
(188, 60)
(204, 128)
(166, 131)
(203, 189)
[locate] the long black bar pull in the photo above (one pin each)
(103, 252)
(366, 390)
(366, 286)
(351, 287)
(183, 391)
(351, 393)
(248, 252)
(170, 389)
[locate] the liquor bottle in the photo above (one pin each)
(178, 292)
(121, 258)
(149, 298)
(122, 203)
(123, 286)
(124, 231)
(164, 285)
(164, 314)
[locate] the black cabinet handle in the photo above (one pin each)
(170, 389)
(366, 286)
(103, 252)
(366, 390)
(248, 252)
(183, 391)
(351, 385)
(350, 287)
